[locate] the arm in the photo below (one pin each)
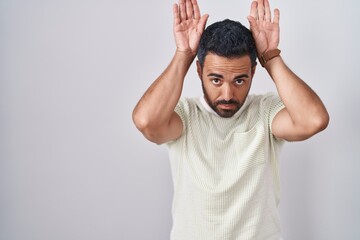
(154, 114)
(304, 114)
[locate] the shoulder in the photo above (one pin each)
(263, 100)
(187, 106)
(188, 102)
(188, 109)
(262, 108)
(266, 103)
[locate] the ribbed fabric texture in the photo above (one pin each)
(226, 173)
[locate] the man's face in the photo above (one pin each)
(226, 82)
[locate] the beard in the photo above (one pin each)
(225, 113)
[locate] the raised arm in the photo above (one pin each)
(304, 114)
(154, 114)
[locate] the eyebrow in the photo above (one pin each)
(221, 76)
(215, 75)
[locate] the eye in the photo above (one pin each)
(216, 81)
(239, 82)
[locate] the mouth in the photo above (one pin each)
(227, 106)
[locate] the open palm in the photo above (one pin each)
(188, 25)
(265, 31)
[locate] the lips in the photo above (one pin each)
(227, 106)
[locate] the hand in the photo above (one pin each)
(265, 31)
(188, 26)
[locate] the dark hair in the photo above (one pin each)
(227, 39)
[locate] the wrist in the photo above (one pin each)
(185, 55)
(183, 59)
(268, 55)
(274, 66)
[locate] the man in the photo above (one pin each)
(224, 146)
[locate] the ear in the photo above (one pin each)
(198, 68)
(253, 68)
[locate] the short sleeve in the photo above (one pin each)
(180, 110)
(276, 106)
(272, 105)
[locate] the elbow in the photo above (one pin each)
(143, 124)
(322, 122)
(310, 128)
(319, 124)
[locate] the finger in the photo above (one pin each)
(261, 10)
(202, 22)
(276, 16)
(176, 14)
(196, 8)
(267, 11)
(182, 8)
(253, 25)
(253, 10)
(189, 10)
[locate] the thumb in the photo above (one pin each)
(253, 25)
(203, 21)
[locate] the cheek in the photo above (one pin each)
(242, 93)
(210, 91)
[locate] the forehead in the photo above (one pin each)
(218, 63)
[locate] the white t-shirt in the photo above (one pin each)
(226, 172)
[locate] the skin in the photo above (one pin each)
(303, 116)
(154, 114)
(226, 82)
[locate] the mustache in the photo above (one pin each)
(231, 101)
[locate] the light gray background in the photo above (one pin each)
(73, 166)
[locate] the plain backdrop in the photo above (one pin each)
(72, 164)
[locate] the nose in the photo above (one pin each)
(227, 92)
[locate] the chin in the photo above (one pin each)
(226, 113)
